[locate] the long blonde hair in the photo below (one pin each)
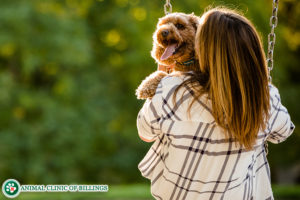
(233, 73)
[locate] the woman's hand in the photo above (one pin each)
(162, 68)
(165, 68)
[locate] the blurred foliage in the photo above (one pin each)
(68, 74)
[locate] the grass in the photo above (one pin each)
(137, 192)
(286, 192)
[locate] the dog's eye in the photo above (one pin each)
(179, 26)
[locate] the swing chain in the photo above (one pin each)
(168, 7)
(271, 44)
(266, 147)
(272, 37)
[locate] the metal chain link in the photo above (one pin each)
(266, 147)
(168, 7)
(272, 37)
(271, 44)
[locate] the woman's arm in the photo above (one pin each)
(280, 125)
(149, 117)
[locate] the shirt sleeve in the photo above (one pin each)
(150, 115)
(280, 126)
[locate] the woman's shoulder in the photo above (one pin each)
(274, 95)
(273, 90)
(175, 78)
(171, 82)
(201, 107)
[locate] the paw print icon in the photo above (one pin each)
(11, 188)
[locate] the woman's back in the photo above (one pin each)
(194, 158)
(209, 143)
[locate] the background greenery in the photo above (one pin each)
(68, 74)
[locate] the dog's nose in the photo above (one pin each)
(165, 33)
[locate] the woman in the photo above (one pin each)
(210, 127)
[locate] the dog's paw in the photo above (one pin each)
(148, 86)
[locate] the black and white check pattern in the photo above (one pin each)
(191, 157)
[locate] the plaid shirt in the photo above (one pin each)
(191, 157)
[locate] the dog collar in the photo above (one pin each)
(188, 62)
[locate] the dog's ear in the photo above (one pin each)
(194, 20)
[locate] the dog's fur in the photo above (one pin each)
(181, 30)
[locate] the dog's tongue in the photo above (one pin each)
(170, 49)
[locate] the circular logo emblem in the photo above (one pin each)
(11, 188)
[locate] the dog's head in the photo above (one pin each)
(173, 40)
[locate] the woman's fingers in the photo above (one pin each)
(165, 68)
(162, 68)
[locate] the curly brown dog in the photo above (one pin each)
(173, 46)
